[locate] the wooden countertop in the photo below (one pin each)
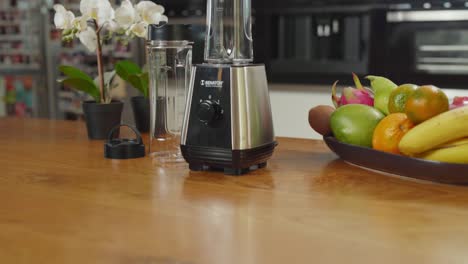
(62, 202)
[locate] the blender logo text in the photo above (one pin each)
(212, 84)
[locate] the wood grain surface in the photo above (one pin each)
(62, 202)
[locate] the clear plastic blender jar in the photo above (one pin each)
(169, 57)
(229, 32)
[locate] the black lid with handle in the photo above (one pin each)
(123, 148)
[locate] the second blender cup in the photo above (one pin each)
(169, 53)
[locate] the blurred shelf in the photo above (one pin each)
(17, 51)
(12, 37)
(117, 55)
(16, 23)
(70, 102)
(67, 95)
(20, 69)
(70, 109)
(13, 10)
(121, 55)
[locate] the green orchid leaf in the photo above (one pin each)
(74, 73)
(85, 86)
(126, 68)
(140, 82)
(135, 81)
(145, 84)
(131, 73)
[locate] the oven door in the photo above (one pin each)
(428, 47)
(317, 45)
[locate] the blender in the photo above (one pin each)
(228, 124)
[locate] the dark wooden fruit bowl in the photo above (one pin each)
(439, 172)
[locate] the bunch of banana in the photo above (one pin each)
(441, 138)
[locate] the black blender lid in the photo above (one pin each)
(124, 148)
(170, 32)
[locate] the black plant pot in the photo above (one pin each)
(141, 113)
(101, 118)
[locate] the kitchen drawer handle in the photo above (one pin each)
(442, 69)
(427, 16)
(442, 48)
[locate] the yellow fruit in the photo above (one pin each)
(436, 131)
(454, 143)
(455, 154)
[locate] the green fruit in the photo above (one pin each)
(399, 96)
(382, 88)
(355, 123)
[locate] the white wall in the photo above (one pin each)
(291, 103)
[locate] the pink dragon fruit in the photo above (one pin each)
(459, 101)
(350, 95)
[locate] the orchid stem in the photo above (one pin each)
(99, 62)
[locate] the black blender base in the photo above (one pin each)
(231, 162)
(227, 171)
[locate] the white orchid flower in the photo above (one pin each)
(80, 23)
(139, 29)
(150, 12)
(89, 39)
(126, 15)
(113, 26)
(86, 7)
(158, 18)
(164, 19)
(63, 18)
(100, 10)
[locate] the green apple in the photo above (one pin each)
(355, 124)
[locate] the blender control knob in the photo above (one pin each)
(209, 111)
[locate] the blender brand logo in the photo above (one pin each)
(212, 84)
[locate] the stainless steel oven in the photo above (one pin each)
(428, 46)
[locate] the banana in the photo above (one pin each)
(448, 126)
(455, 154)
(453, 143)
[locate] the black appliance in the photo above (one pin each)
(320, 41)
(228, 123)
(427, 43)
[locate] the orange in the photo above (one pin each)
(389, 131)
(426, 102)
(399, 96)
